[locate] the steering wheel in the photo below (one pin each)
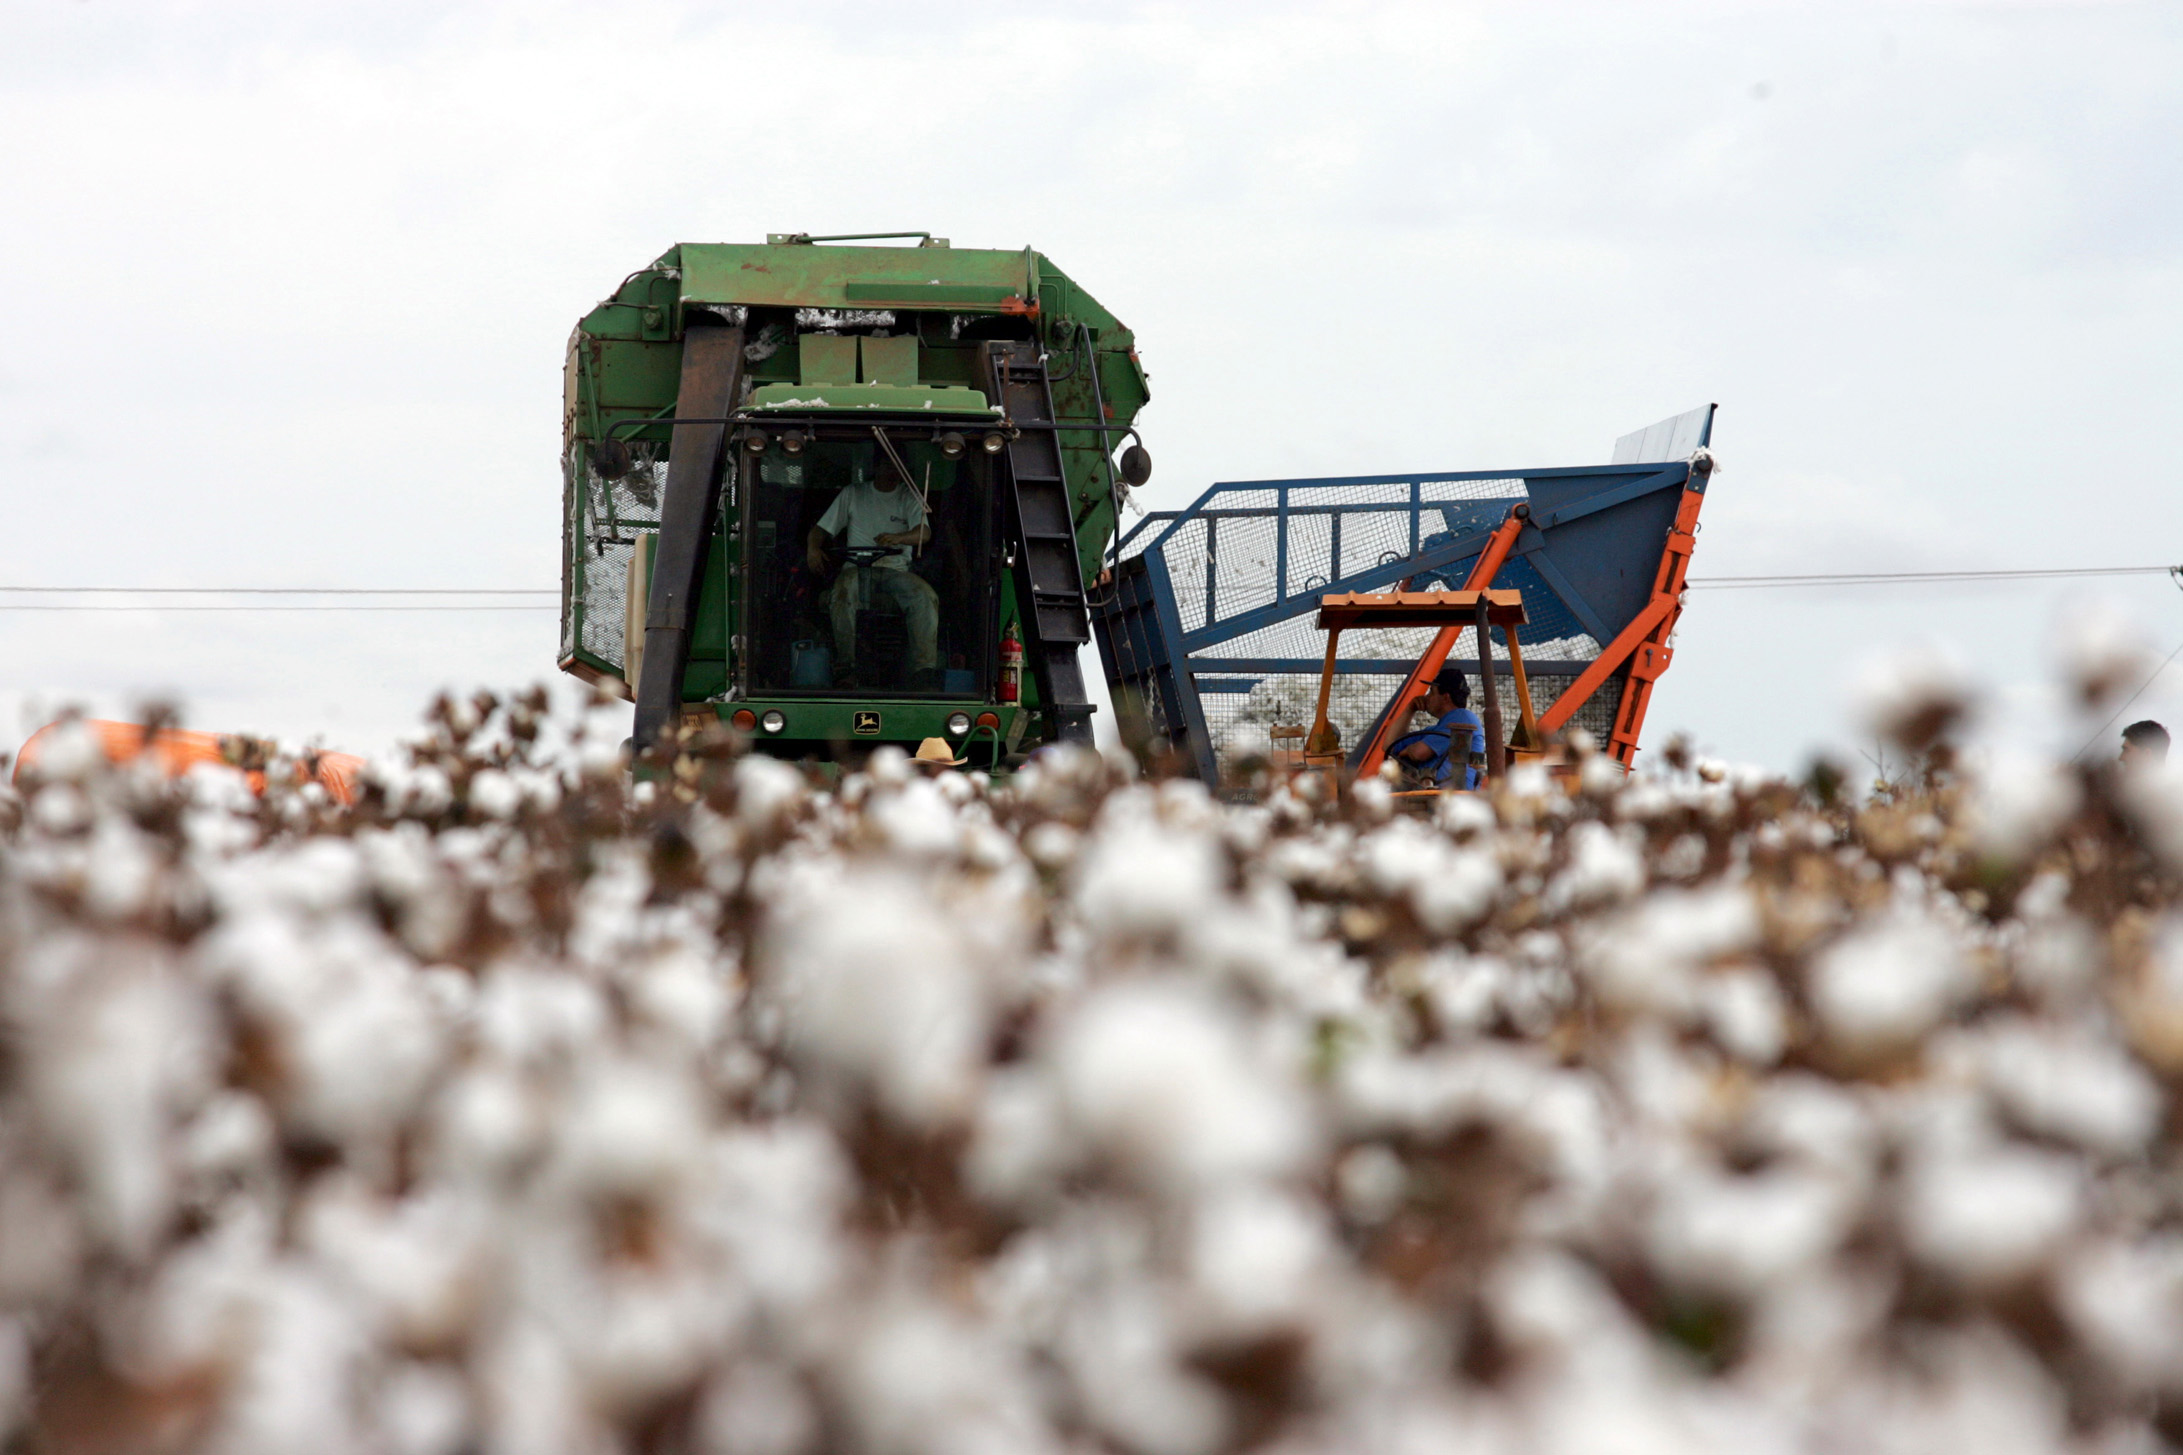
(865, 555)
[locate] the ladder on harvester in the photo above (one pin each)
(1049, 579)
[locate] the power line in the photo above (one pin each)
(1910, 578)
(277, 591)
(271, 606)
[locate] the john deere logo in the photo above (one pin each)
(866, 725)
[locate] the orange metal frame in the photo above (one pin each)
(1645, 644)
(1412, 692)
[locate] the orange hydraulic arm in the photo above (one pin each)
(1644, 642)
(1497, 547)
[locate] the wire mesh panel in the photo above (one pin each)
(606, 519)
(1211, 636)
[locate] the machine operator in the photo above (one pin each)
(1452, 752)
(872, 515)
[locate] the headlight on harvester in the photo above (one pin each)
(958, 723)
(995, 442)
(756, 442)
(773, 722)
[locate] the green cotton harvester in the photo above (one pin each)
(841, 496)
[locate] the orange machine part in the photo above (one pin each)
(1497, 547)
(1644, 643)
(177, 751)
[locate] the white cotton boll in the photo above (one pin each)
(530, 1401)
(485, 1125)
(601, 758)
(2020, 803)
(757, 1407)
(1140, 878)
(200, 1308)
(318, 876)
(1254, 1260)
(1604, 867)
(60, 809)
(773, 1197)
(1885, 985)
(1018, 1148)
(1448, 888)
(493, 794)
(630, 1130)
(15, 1380)
(106, 1076)
(916, 822)
(1548, 1306)
(71, 753)
(2125, 1303)
(921, 1380)
(1984, 1218)
(1465, 992)
(1464, 814)
(423, 1409)
(1157, 1078)
(1052, 845)
(766, 790)
(878, 989)
(683, 993)
(533, 1016)
(1401, 854)
(2059, 957)
(295, 1389)
(1461, 894)
(44, 1243)
(986, 847)
(641, 1334)
(1744, 1011)
(1647, 957)
(1529, 781)
(1600, 776)
(232, 1136)
(427, 794)
(1717, 1233)
(364, 1055)
(119, 871)
(1371, 1183)
(1913, 695)
(2074, 1086)
(1118, 1348)
(415, 1263)
(1815, 1122)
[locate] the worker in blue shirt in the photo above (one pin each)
(1452, 752)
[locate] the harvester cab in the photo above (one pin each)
(827, 493)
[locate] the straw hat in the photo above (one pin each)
(934, 753)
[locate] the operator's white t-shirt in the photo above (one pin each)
(870, 513)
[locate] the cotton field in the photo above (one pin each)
(521, 1111)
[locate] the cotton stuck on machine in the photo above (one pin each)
(838, 494)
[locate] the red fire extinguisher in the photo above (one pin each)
(1011, 665)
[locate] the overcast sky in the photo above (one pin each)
(286, 290)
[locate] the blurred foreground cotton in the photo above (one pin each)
(515, 1110)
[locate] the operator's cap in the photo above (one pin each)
(935, 753)
(1452, 681)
